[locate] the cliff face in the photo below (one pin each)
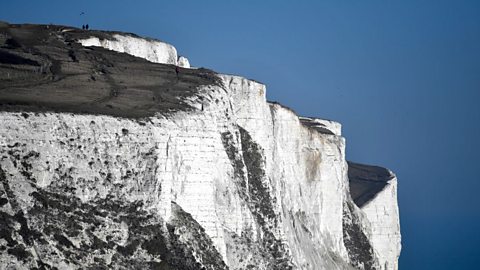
(109, 160)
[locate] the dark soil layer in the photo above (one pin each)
(44, 68)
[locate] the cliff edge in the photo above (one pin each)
(115, 153)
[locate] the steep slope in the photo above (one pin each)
(150, 168)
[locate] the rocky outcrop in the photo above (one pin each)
(183, 62)
(125, 163)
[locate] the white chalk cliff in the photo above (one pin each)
(218, 178)
(151, 50)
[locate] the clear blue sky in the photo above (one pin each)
(403, 77)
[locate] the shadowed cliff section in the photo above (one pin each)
(61, 230)
(367, 181)
(359, 247)
(254, 190)
(43, 68)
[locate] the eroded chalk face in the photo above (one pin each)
(111, 160)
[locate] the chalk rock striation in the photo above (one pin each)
(112, 156)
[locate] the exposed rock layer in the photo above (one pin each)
(111, 161)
